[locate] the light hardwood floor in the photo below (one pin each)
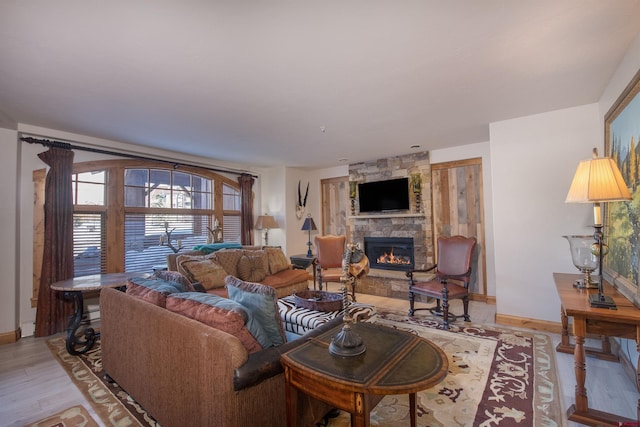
(33, 384)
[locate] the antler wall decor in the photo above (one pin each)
(301, 203)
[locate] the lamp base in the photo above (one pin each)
(602, 301)
(347, 343)
(580, 284)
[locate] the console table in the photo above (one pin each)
(395, 362)
(624, 322)
(75, 288)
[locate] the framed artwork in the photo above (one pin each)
(622, 223)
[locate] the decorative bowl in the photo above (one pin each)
(318, 300)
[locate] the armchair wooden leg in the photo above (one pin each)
(465, 303)
(445, 307)
(411, 298)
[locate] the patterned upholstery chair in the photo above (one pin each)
(330, 250)
(452, 277)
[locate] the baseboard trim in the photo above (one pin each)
(524, 322)
(10, 337)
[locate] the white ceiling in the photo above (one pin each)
(303, 83)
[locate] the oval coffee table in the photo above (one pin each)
(395, 362)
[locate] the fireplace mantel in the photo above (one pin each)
(409, 215)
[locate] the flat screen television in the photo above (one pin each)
(388, 195)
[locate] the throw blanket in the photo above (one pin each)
(212, 247)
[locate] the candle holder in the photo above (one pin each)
(352, 195)
(215, 233)
(416, 186)
(165, 239)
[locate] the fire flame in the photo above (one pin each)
(390, 258)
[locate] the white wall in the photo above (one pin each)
(533, 160)
(296, 238)
(9, 218)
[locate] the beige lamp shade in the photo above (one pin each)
(266, 222)
(595, 181)
(598, 180)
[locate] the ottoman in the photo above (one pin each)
(298, 321)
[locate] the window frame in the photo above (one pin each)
(114, 209)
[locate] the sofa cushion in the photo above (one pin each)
(223, 314)
(261, 302)
(203, 270)
(152, 290)
(277, 260)
(251, 266)
(228, 259)
(175, 277)
(286, 278)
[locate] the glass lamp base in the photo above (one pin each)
(602, 301)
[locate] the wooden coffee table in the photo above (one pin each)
(395, 362)
(75, 288)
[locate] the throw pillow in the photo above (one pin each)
(223, 314)
(183, 257)
(203, 270)
(251, 266)
(151, 290)
(277, 260)
(262, 303)
(174, 277)
(228, 259)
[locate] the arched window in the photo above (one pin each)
(125, 210)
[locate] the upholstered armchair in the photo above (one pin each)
(451, 281)
(329, 252)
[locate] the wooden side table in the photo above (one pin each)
(74, 289)
(303, 262)
(623, 322)
(395, 362)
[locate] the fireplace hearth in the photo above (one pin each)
(390, 253)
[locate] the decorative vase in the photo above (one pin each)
(584, 254)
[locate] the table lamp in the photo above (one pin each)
(596, 181)
(266, 222)
(309, 226)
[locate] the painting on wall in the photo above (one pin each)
(622, 228)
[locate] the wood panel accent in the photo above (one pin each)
(10, 337)
(39, 178)
(335, 197)
(458, 208)
(527, 323)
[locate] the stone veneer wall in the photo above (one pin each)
(416, 223)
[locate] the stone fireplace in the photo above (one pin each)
(389, 253)
(414, 224)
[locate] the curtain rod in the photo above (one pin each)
(69, 146)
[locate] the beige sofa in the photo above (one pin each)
(267, 266)
(184, 372)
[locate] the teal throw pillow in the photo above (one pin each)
(261, 301)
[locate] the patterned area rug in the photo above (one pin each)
(497, 377)
(76, 416)
(113, 406)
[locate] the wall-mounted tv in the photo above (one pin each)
(388, 195)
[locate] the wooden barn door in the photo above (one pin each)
(335, 196)
(458, 209)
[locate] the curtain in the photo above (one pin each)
(53, 310)
(246, 217)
